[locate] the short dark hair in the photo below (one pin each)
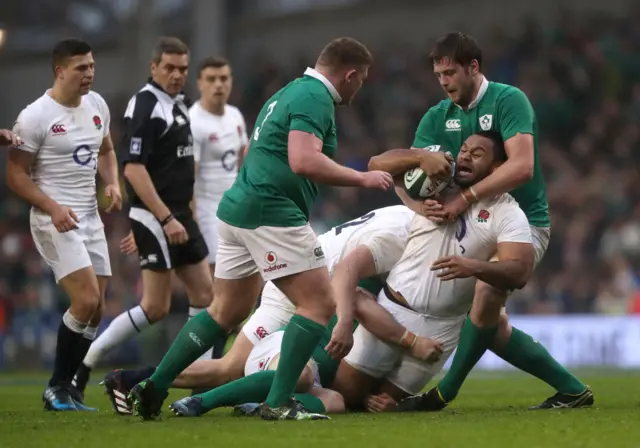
(459, 47)
(499, 153)
(168, 45)
(66, 49)
(213, 62)
(345, 52)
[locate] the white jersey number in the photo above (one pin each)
(270, 107)
(355, 222)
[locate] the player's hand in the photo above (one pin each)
(452, 207)
(380, 180)
(426, 349)
(8, 138)
(436, 164)
(380, 403)
(432, 210)
(341, 340)
(176, 233)
(128, 244)
(454, 267)
(64, 219)
(113, 193)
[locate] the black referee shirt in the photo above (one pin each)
(157, 134)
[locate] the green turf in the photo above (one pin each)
(490, 412)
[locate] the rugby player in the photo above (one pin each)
(8, 138)
(430, 290)
(377, 239)
(65, 141)
(158, 160)
(219, 142)
(264, 233)
(474, 104)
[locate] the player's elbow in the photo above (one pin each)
(521, 276)
(375, 163)
(300, 163)
(14, 178)
(131, 171)
(523, 171)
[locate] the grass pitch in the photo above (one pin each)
(491, 411)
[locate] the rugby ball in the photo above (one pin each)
(417, 183)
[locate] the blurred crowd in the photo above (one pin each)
(583, 78)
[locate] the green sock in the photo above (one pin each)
(528, 355)
(298, 343)
(250, 389)
(196, 337)
(311, 403)
(473, 343)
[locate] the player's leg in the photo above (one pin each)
(155, 262)
(525, 353)
(69, 260)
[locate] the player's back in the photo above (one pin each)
(267, 191)
(387, 227)
(499, 107)
(217, 141)
(475, 234)
(66, 142)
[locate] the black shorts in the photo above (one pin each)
(154, 249)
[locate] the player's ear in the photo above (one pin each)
(349, 74)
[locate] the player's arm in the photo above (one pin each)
(397, 161)
(515, 255)
(245, 142)
(310, 122)
(108, 170)
(517, 119)
(19, 163)
(140, 135)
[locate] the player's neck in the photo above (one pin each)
(215, 109)
(477, 85)
(63, 98)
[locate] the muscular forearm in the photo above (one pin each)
(344, 284)
(412, 204)
(396, 161)
(378, 321)
(139, 178)
(320, 168)
(108, 168)
(22, 185)
(505, 275)
(507, 177)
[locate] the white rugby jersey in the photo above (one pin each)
(217, 141)
(476, 234)
(66, 142)
(384, 231)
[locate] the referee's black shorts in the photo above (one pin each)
(154, 249)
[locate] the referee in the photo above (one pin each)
(157, 154)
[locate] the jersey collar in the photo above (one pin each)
(481, 92)
(320, 77)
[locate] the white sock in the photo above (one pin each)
(192, 312)
(121, 329)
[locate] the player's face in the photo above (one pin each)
(475, 161)
(456, 80)
(77, 75)
(215, 84)
(171, 72)
(352, 83)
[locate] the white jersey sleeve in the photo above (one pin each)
(104, 119)
(386, 248)
(29, 128)
(510, 224)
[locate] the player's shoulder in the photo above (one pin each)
(307, 89)
(502, 205)
(36, 110)
(502, 91)
(96, 100)
(234, 112)
(439, 110)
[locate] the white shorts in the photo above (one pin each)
(266, 354)
(206, 218)
(540, 237)
(71, 251)
(275, 252)
(275, 311)
(378, 359)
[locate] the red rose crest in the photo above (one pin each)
(483, 215)
(97, 122)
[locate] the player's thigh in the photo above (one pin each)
(233, 260)
(234, 300)
(65, 252)
(156, 294)
(208, 227)
(198, 283)
(269, 317)
(310, 292)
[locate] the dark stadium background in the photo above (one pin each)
(578, 61)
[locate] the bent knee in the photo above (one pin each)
(306, 380)
(155, 310)
(333, 402)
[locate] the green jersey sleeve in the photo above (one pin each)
(311, 114)
(515, 115)
(426, 134)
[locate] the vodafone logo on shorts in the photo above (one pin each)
(272, 260)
